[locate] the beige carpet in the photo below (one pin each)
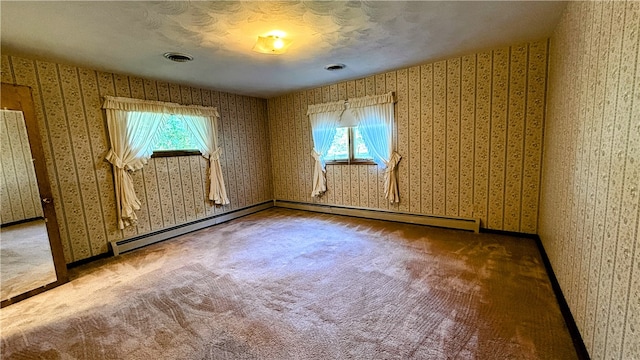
(26, 262)
(284, 284)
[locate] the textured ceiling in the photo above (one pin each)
(369, 37)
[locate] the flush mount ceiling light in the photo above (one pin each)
(271, 44)
(177, 57)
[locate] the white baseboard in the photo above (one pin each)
(124, 245)
(420, 219)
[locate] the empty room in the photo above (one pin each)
(320, 180)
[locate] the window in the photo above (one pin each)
(175, 139)
(348, 147)
(134, 125)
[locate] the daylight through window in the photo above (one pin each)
(348, 146)
(175, 136)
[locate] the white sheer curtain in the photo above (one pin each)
(132, 134)
(375, 118)
(324, 121)
(205, 132)
(133, 129)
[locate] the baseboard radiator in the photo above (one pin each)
(450, 222)
(120, 246)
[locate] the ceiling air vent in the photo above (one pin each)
(178, 57)
(335, 67)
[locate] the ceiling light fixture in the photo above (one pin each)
(177, 57)
(271, 44)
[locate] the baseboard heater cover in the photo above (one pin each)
(471, 224)
(120, 246)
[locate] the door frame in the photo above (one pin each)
(19, 97)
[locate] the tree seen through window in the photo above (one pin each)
(348, 140)
(175, 136)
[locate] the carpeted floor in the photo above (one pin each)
(285, 284)
(26, 262)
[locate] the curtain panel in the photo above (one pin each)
(324, 120)
(205, 131)
(133, 127)
(375, 117)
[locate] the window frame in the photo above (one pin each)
(351, 160)
(174, 153)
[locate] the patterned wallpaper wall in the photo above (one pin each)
(19, 195)
(590, 201)
(469, 130)
(172, 190)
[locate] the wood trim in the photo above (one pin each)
(84, 261)
(471, 224)
(578, 343)
(350, 162)
(509, 233)
(174, 153)
(21, 222)
(17, 97)
(30, 293)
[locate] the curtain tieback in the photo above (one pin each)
(393, 162)
(114, 159)
(216, 154)
(132, 165)
(316, 155)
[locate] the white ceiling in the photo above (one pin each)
(129, 37)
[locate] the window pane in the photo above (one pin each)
(339, 149)
(175, 136)
(360, 150)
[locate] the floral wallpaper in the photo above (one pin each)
(469, 130)
(68, 104)
(590, 211)
(19, 195)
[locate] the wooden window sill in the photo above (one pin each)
(350, 162)
(173, 153)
